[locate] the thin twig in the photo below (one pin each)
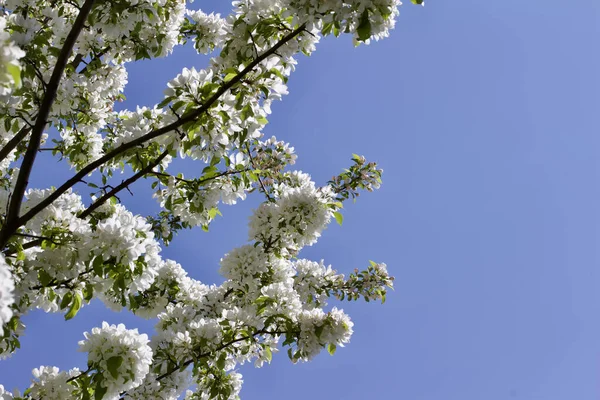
(262, 185)
(123, 185)
(190, 361)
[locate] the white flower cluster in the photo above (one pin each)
(223, 123)
(365, 19)
(296, 219)
(208, 29)
(309, 280)
(10, 68)
(81, 141)
(229, 384)
(165, 287)
(168, 388)
(117, 242)
(318, 328)
(5, 394)
(140, 29)
(122, 356)
(197, 204)
(7, 287)
(126, 125)
(51, 383)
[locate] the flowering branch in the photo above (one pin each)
(221, 347)
(12, 221)
(192, 116)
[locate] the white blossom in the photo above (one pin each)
(52, 384)
(123, 356)
(7, 287)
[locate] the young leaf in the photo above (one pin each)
(15, 72)
(113, 364)
(66, 300)
(331, 348)
(268, 353)
(338, 217)
(75, 306)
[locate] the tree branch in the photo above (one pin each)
(149, 136)
(96, 57)
(14, 142)
(12, 221)
(123, 185)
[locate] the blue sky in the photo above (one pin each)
(484, 116)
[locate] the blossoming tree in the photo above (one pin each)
(62, 68)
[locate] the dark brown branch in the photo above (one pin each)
(76, 61)
(189, 182)
(125, 184)
(27, 235)
(33, 243)
(192, 116)
(82, 373)
(61, 284)
(12, 221)
(14, 142)
(96, 57)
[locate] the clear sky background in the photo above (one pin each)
(485, 118)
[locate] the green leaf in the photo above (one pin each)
(319, 331)
(113, 364)
(66, 300)
(99, 391)
(364, 27)
(418, 2)
(164, 102)
(44, 278)
(88, 293)
(268, 353)
(229, 77)
(149, 13)
(331, 348)
(98, 266)
(262, 120)
(75, 306)
(338, 217)
(212, 213)
(15, 72)
(221, 361)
